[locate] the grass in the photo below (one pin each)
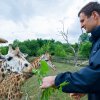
(32, 91)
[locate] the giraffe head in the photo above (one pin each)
(15, 61)
(47, 57)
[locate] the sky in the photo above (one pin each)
(32, 19)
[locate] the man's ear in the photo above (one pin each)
(95, 15)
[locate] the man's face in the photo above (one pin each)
(88, 23)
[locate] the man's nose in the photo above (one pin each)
(82, 26)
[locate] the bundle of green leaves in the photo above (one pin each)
(42, 72)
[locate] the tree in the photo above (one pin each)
(84, 37)
(85, 49)
(59, 51)
(16, 43)
(4, 50)
(65, 36)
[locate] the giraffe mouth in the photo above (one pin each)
(28, 74)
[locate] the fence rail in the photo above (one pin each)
(70, 60)
(80, 61)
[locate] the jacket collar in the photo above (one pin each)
(95, 34)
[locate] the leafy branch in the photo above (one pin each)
(42, 72)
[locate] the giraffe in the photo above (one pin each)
(16, 69)
(10, 87)
(45, 57)
(14, 61)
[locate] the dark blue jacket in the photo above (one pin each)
(86, 80)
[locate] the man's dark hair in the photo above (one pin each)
(89, 8)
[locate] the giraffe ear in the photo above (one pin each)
(10, 48)
(2, 57)
(17, 51)
(25, 55)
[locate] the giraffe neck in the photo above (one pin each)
(10, 87)
(3, 73)
(36, 62)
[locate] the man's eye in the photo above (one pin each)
(10, 58)
(82, 21)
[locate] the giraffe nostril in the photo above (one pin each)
(26, 65)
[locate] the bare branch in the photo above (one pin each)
(65, 37)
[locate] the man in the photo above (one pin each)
(87, 80)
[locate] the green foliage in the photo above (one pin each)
(44, 48)
(3, 50)
(84, 37)
(85, 49)
(75, 46)
(39, 46)
(40, 51)
(46, 93)
(59, 51)
(16, 43)
(61, 86)
(44, 68)
(42, 72)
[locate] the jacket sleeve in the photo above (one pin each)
(86, 80)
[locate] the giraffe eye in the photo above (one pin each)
(26, 65)
(10, 58)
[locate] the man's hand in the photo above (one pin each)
(76, 96)
(48, 82)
